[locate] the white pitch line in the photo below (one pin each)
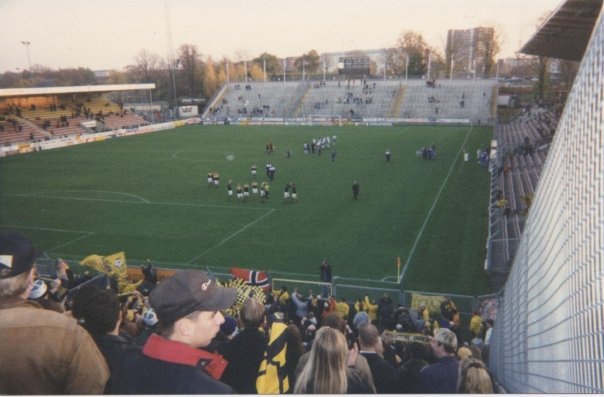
(421, 231)
(46, 229)
(50, 194)
(71, 241)
(230, 237)
(146, 202)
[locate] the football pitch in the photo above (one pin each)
(148, 195)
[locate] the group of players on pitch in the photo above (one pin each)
(242, 191)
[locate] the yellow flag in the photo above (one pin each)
(272, 374)
(113, 266)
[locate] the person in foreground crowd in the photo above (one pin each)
(188, 307)
(474, 377)
(383, 373)
(99, 312)
(244, 352)
(43, 352)
(441, 377)
(329, 368)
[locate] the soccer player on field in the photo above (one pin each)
(254, 169)
(286, 193)
(246, 191)
(230, 188)
(355, 189)
(216, 179)
(239, 192)
(265, 190)
(294, 191)
(210, 178)
(254, 187)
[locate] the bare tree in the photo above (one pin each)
(191, 64)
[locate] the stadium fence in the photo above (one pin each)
(548, 336)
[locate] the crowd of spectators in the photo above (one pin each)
(70, 334)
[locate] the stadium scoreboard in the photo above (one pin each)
(354, 66)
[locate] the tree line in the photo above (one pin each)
(190, 74)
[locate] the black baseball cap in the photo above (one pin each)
(188, 291)
(17, 254)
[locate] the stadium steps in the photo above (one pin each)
(216, 99)
(30, 126)
(295, 106)
(395, 109)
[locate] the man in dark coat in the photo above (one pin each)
(188, 306)
(244, 352)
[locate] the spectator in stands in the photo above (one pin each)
(325, 273)
(372, 309)
(150, 323)
(295, 350)
(43, 352)
(244, 352)
(384, 374)
(360, 362)
(474, 377)
(414, 359)
(301, 305)
(476, 324)
(330, 369)
(343, 309)
(188, 306)
(47, 296)
(441, 377)
(64, 274)
(360, 319)
(99, 312)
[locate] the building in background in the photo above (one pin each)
(469, 47)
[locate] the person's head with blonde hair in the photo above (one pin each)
(325, 370)
(474, 377)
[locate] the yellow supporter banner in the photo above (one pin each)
(432, 303)
(113, 266)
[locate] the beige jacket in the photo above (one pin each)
(45, 352)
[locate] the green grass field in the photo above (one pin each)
(148, 196)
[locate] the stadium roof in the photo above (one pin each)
(566, 32)
(12, 92)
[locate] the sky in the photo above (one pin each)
(109, 34)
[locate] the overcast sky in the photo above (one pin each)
(109, 34)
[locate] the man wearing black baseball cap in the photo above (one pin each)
(44, 352)
(188, 307)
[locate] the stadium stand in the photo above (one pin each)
(461, 100)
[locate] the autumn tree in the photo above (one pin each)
(568, 72)
(309, 62)
(210, 80)
(72, 76)
(396, 61)
(255, 72)
(542, 86)
(492, 43)
(414, 46)
(274, 67)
